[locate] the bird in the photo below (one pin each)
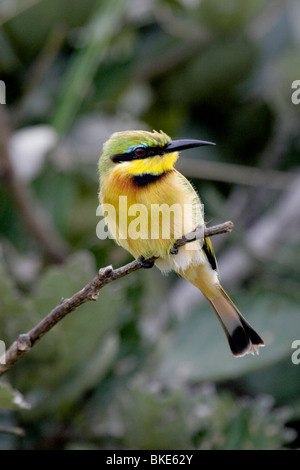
(138, 167)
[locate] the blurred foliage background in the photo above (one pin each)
(147, 366)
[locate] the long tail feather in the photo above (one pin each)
(242, 338)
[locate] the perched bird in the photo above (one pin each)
(138, 167)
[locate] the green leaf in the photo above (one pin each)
(229, 16)
(281, 379)
(154, 420)
(29, 33)
(86, 61)
(64, 352)
(11, 399)
(198, 350)
(74, 356)
(226, 422)
(17, 314)
(88, 375)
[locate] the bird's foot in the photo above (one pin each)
(174, 251)
(146, 264)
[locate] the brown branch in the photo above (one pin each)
(90, 292)
(200, 232)
(32, 214)
(237, 174)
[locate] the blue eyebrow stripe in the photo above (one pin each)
(133, 147)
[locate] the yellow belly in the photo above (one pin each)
(149, 219)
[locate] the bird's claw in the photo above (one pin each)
(174, 251)
(146, 264)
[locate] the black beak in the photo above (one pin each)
(177, 145)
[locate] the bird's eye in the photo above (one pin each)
(140, 152)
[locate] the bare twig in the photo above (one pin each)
(33, 216)
(200, 232)
(237, 174)
(90, 292)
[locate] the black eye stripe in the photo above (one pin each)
(121, 157)
(129, 156)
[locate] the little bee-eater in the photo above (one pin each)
(139, 166)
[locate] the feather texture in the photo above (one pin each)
(144, 192)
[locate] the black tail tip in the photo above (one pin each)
(243, 342)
